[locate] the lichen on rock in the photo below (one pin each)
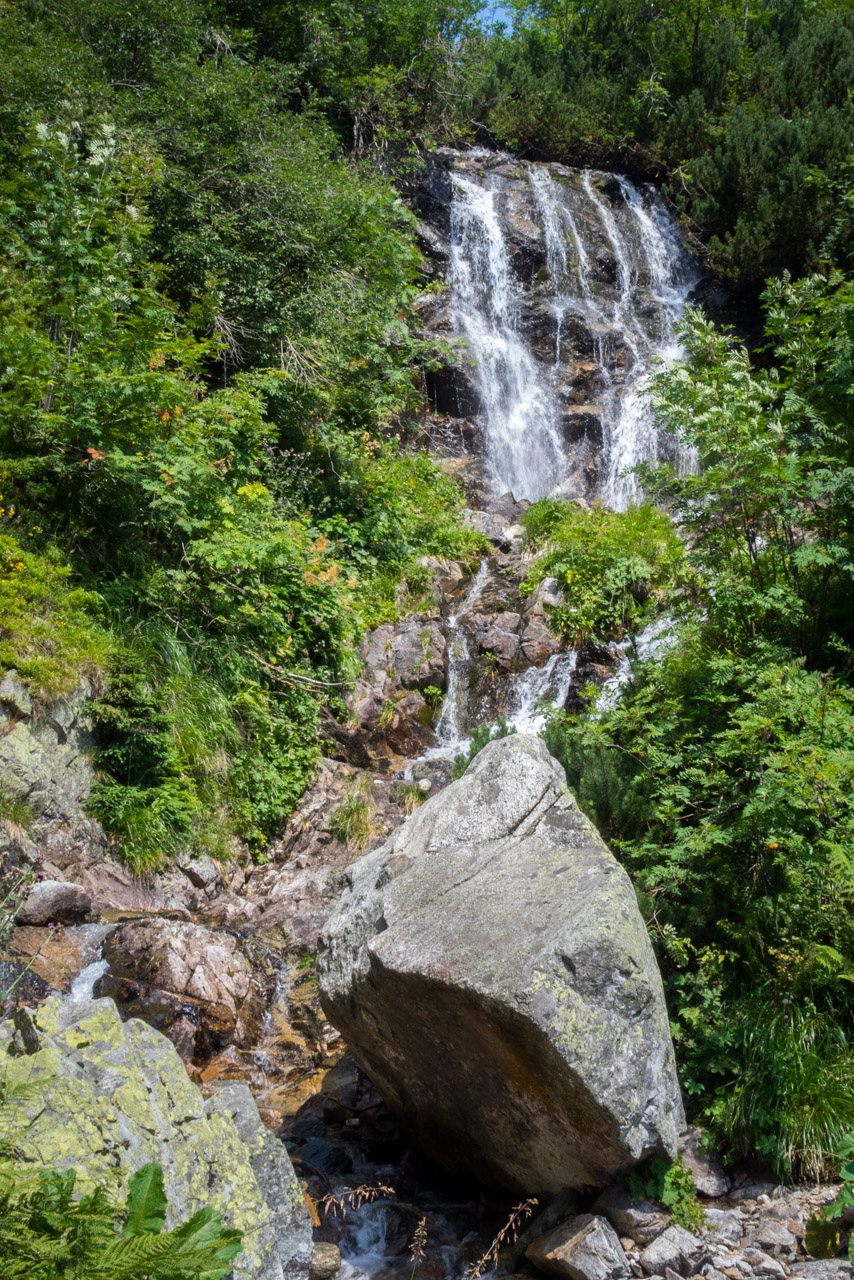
(112, 1096)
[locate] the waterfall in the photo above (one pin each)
(580, 221)
(523, 448)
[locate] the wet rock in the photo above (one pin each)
(675, 1248)
(584, 1248)
(54, 901)
(539, 1006)
(538, 643)
(439, 772)
(326, 1261)
(451, 390)
(501, 638)
(703, 1164)
(115, 1095)
(638, 1218)
(181, 978)
(583, 422)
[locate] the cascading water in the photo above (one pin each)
(523, 447)
(584, 221)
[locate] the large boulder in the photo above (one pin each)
(104, 1097)
(490, 971)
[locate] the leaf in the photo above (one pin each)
(821, 1238)
(146, 1202)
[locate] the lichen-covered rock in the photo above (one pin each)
(44, 752)
(491, 973)
(115, 1095)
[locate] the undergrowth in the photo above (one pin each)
(48, 631)
(610, 565)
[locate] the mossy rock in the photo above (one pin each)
(105, 1097)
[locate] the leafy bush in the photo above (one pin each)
(609, 564)
(47, 631)
(45, 1234)
(793, 1101)
(673, 1186)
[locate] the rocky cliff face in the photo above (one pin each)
(491, 972)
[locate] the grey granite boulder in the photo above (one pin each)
(639, 1219)
(675, 1249)
(490, 971)
(583, 1248)
(54, 901)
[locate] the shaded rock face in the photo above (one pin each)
(490, 971)
(115, 1095)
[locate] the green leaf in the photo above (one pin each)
(821, 1238)
(146, 1203)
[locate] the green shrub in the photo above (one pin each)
(353, 821)
(793, 1100)
(673, 1186)
(47, 629)
(45, 1234)
(609, 564)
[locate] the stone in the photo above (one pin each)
(640, 1219)
(773, 1237)
(54, 902)
(582, 1248)
(184, 979)
(825, 1269)
(501, 637)
(326, 1261)
(538, 644)
(15, 696)
(115, 1095)
(723, 1227)
(704, 1165)
(675, 1248)
(202, 872)
(540, 1057)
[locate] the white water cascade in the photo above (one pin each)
(523, 447)
(615, 280)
